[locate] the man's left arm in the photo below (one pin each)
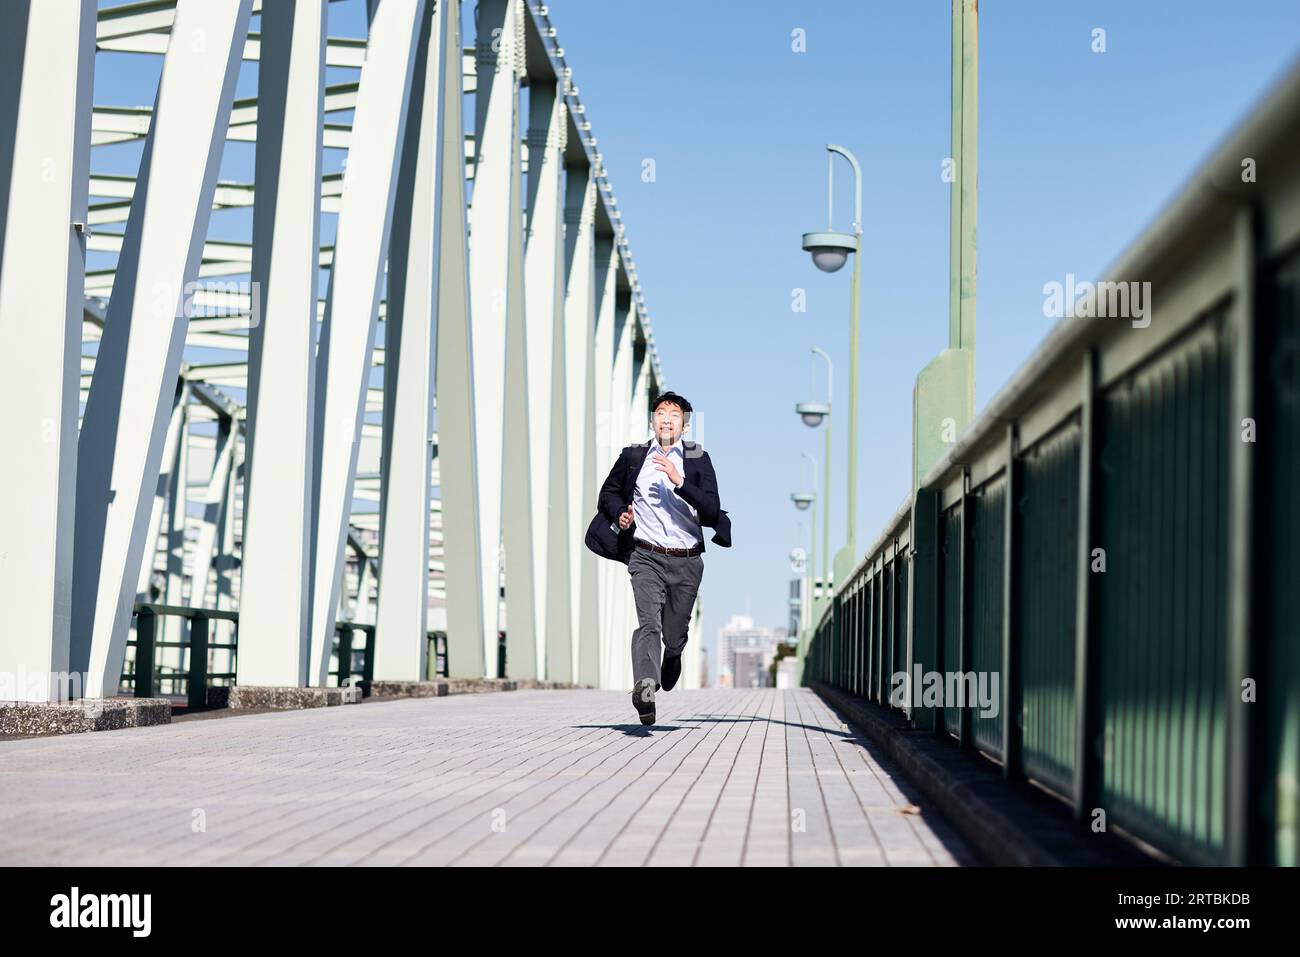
(610, 499)
(704, 498)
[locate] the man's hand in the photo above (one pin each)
(664, 464)
(625, 518)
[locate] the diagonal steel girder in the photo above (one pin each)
(120, 445)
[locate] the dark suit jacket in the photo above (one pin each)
(699, 489)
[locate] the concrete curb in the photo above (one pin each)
(82, 715)
(440, 687)
(1007, 822)
(241, 697)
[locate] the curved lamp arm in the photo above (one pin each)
(857, 184)
(830, 393)
(813, 463)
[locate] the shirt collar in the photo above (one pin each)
(677, 447)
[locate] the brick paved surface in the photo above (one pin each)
(726, 777)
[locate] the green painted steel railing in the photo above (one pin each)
(345, 652)
(1116, 539)
(145, 676)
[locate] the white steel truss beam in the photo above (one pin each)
(46, 76)
(121, 440)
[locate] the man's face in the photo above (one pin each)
(669, 423)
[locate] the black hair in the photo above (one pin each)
(673, 397)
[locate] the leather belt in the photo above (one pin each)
(679, 552)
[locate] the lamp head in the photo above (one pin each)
(812, 413)
(802, 500)
(830, 251)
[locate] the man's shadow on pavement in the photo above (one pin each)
(635, 730)
(647, 730)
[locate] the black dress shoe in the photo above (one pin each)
(643, 699)
(670, 672)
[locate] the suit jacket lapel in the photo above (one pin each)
(689, 459)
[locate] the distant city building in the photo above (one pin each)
(751, 668)
(798, 601)
(801, 609)
(739, 637)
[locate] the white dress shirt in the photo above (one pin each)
(662, 516)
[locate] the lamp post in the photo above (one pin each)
(813, 414)
(803, 501)
(830, 250)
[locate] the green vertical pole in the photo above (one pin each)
(810, 607)
(826, 515)
(954, 195)
(1239, 766)
(944, 397)
(368, 668)
(1087, 718)
(965, 618)
(197, 683)
(924, 585)
(965, 149)
(893, 623)
(1012, 682)
(345, 653)
(146, 628)
(851, 541)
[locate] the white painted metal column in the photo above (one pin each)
(154, 527)
(401, 644)
(174, 629)
(544, 281)
(580, 329)
(130, 399)
(606, 273)
(622, 608)
(500, 369)
(275, 600)
(356, 280)
(468, 593)
(47, 56)
(213, 502)
(691, 660)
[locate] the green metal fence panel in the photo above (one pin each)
(1278, 661)
(868, 652)
(901, 607)
(869, 636)
(865, 611)
(837, 634)
(988, 525)
(844, 641)
(862, 643)
(1047, 540)
(856, 645)
(1162, 596)
(950, 534)
(864, 638)
(883, 637)
(883, 593)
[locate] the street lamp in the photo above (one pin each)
(830, 250)
(813, 414)
(803, 501)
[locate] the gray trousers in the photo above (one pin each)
(664, 589)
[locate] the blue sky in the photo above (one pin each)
(1078, 152)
